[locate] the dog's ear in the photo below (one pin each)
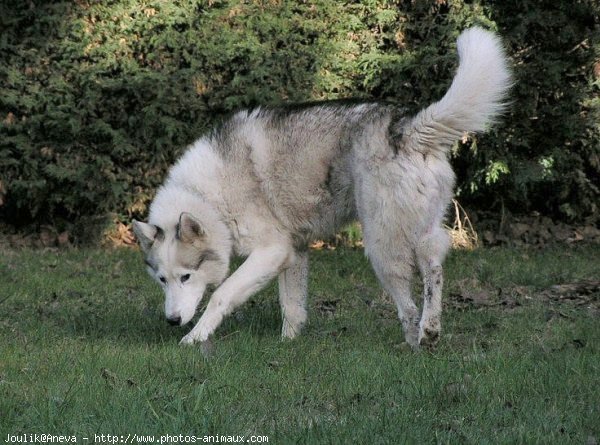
(189, 228)
(146, 234)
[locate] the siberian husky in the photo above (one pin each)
(269, 180)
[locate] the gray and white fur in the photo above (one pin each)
(268, 181)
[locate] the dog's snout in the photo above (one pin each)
(174, 321)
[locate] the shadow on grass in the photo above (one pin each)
(128, 318)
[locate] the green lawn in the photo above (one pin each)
(85, 349)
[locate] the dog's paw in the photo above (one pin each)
(429, 335)
(188, 340)
(411, 336)
(206, 346)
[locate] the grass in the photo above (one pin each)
(84, 350)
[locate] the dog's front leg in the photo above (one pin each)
(259, 268)
(293, 289)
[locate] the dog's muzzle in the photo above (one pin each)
(175, 321)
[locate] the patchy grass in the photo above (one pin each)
(84, 350)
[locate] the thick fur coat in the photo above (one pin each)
(268, 181)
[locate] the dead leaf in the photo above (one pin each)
(327, 307)
(120, 235)
(523, 292)
(575, 238)
(583, 293)
(596, 70)
(573, 291)
(317, 245)
(109, 376)
(274, 364)
(471, 293)
(47, 237)
(10, 119)
(63, 239)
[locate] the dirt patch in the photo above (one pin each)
(469, 293)
(45, 237)
(585, 293)
(531, 230)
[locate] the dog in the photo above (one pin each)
(267, 181)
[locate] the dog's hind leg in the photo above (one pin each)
(430, 253)
(392, 259)
(293, 289)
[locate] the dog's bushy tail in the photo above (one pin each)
(475, 98)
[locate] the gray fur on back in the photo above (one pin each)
(300, 159)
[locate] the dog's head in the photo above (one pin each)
(184, 260)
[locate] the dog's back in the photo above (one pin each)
(302, 158)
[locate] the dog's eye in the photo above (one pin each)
(163, 280)
(185, 277)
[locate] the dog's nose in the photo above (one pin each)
(175, 321)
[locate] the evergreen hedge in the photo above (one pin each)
(98, 98)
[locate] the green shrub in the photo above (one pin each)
(98, 98)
